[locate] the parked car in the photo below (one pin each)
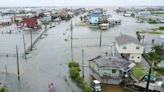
(152, 78)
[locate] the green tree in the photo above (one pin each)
(154, 58)
(73, 64)
(157, 49)
(74, 72)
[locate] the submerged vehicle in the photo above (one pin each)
(96, 87)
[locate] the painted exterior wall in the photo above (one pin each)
(130, 48)
(127, 15)
(135, 57)
(108, 72)
(94, 19)
(102, 71)
(30, 22)
(135, 51)
(113, 78)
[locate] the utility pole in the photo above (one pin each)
(100, 37)
(45, 29)
(6, 68)
(71, 40)
(82, 63)
(24, 44)
(147, 85)
(17, 62)
(31, 38)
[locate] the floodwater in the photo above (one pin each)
(49, 59)
(114, 88)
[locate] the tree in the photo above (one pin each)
(154, 57)
(157, 48)
(74, 72)
(73, 64)
(81, 18)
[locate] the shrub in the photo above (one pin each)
(3, 90)
(152, 22)
(161, 28)
(73, 64)
(87, 88)
(160, 70)
(79, 80)
(74, 72)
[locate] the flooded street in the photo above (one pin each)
(50, 56)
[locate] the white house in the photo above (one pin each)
(129, 48)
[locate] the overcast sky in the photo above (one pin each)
(80, 2)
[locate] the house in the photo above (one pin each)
(114, 21)
(129, 47)
(30, 22)
(144, 13)
(94, 18)
(129, 14)
(98, 11)
(5, 21)
(109, 70)
(63, 14)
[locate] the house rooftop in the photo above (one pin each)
(125, 39)
(112, 62)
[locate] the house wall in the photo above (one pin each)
(108, 72)
(105, 80)
(130, 48)
(94, 20)
(127, 15)
(135, 57)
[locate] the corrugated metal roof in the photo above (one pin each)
(111, 62)
(125, 39)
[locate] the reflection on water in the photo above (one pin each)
(114, 88)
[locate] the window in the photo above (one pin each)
(124, 47)
(137, 47)
(132, 57)
(113, 70)
(138, 57)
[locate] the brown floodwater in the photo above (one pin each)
(114, 88)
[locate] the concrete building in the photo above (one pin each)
(129, 47)
(109, 70)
